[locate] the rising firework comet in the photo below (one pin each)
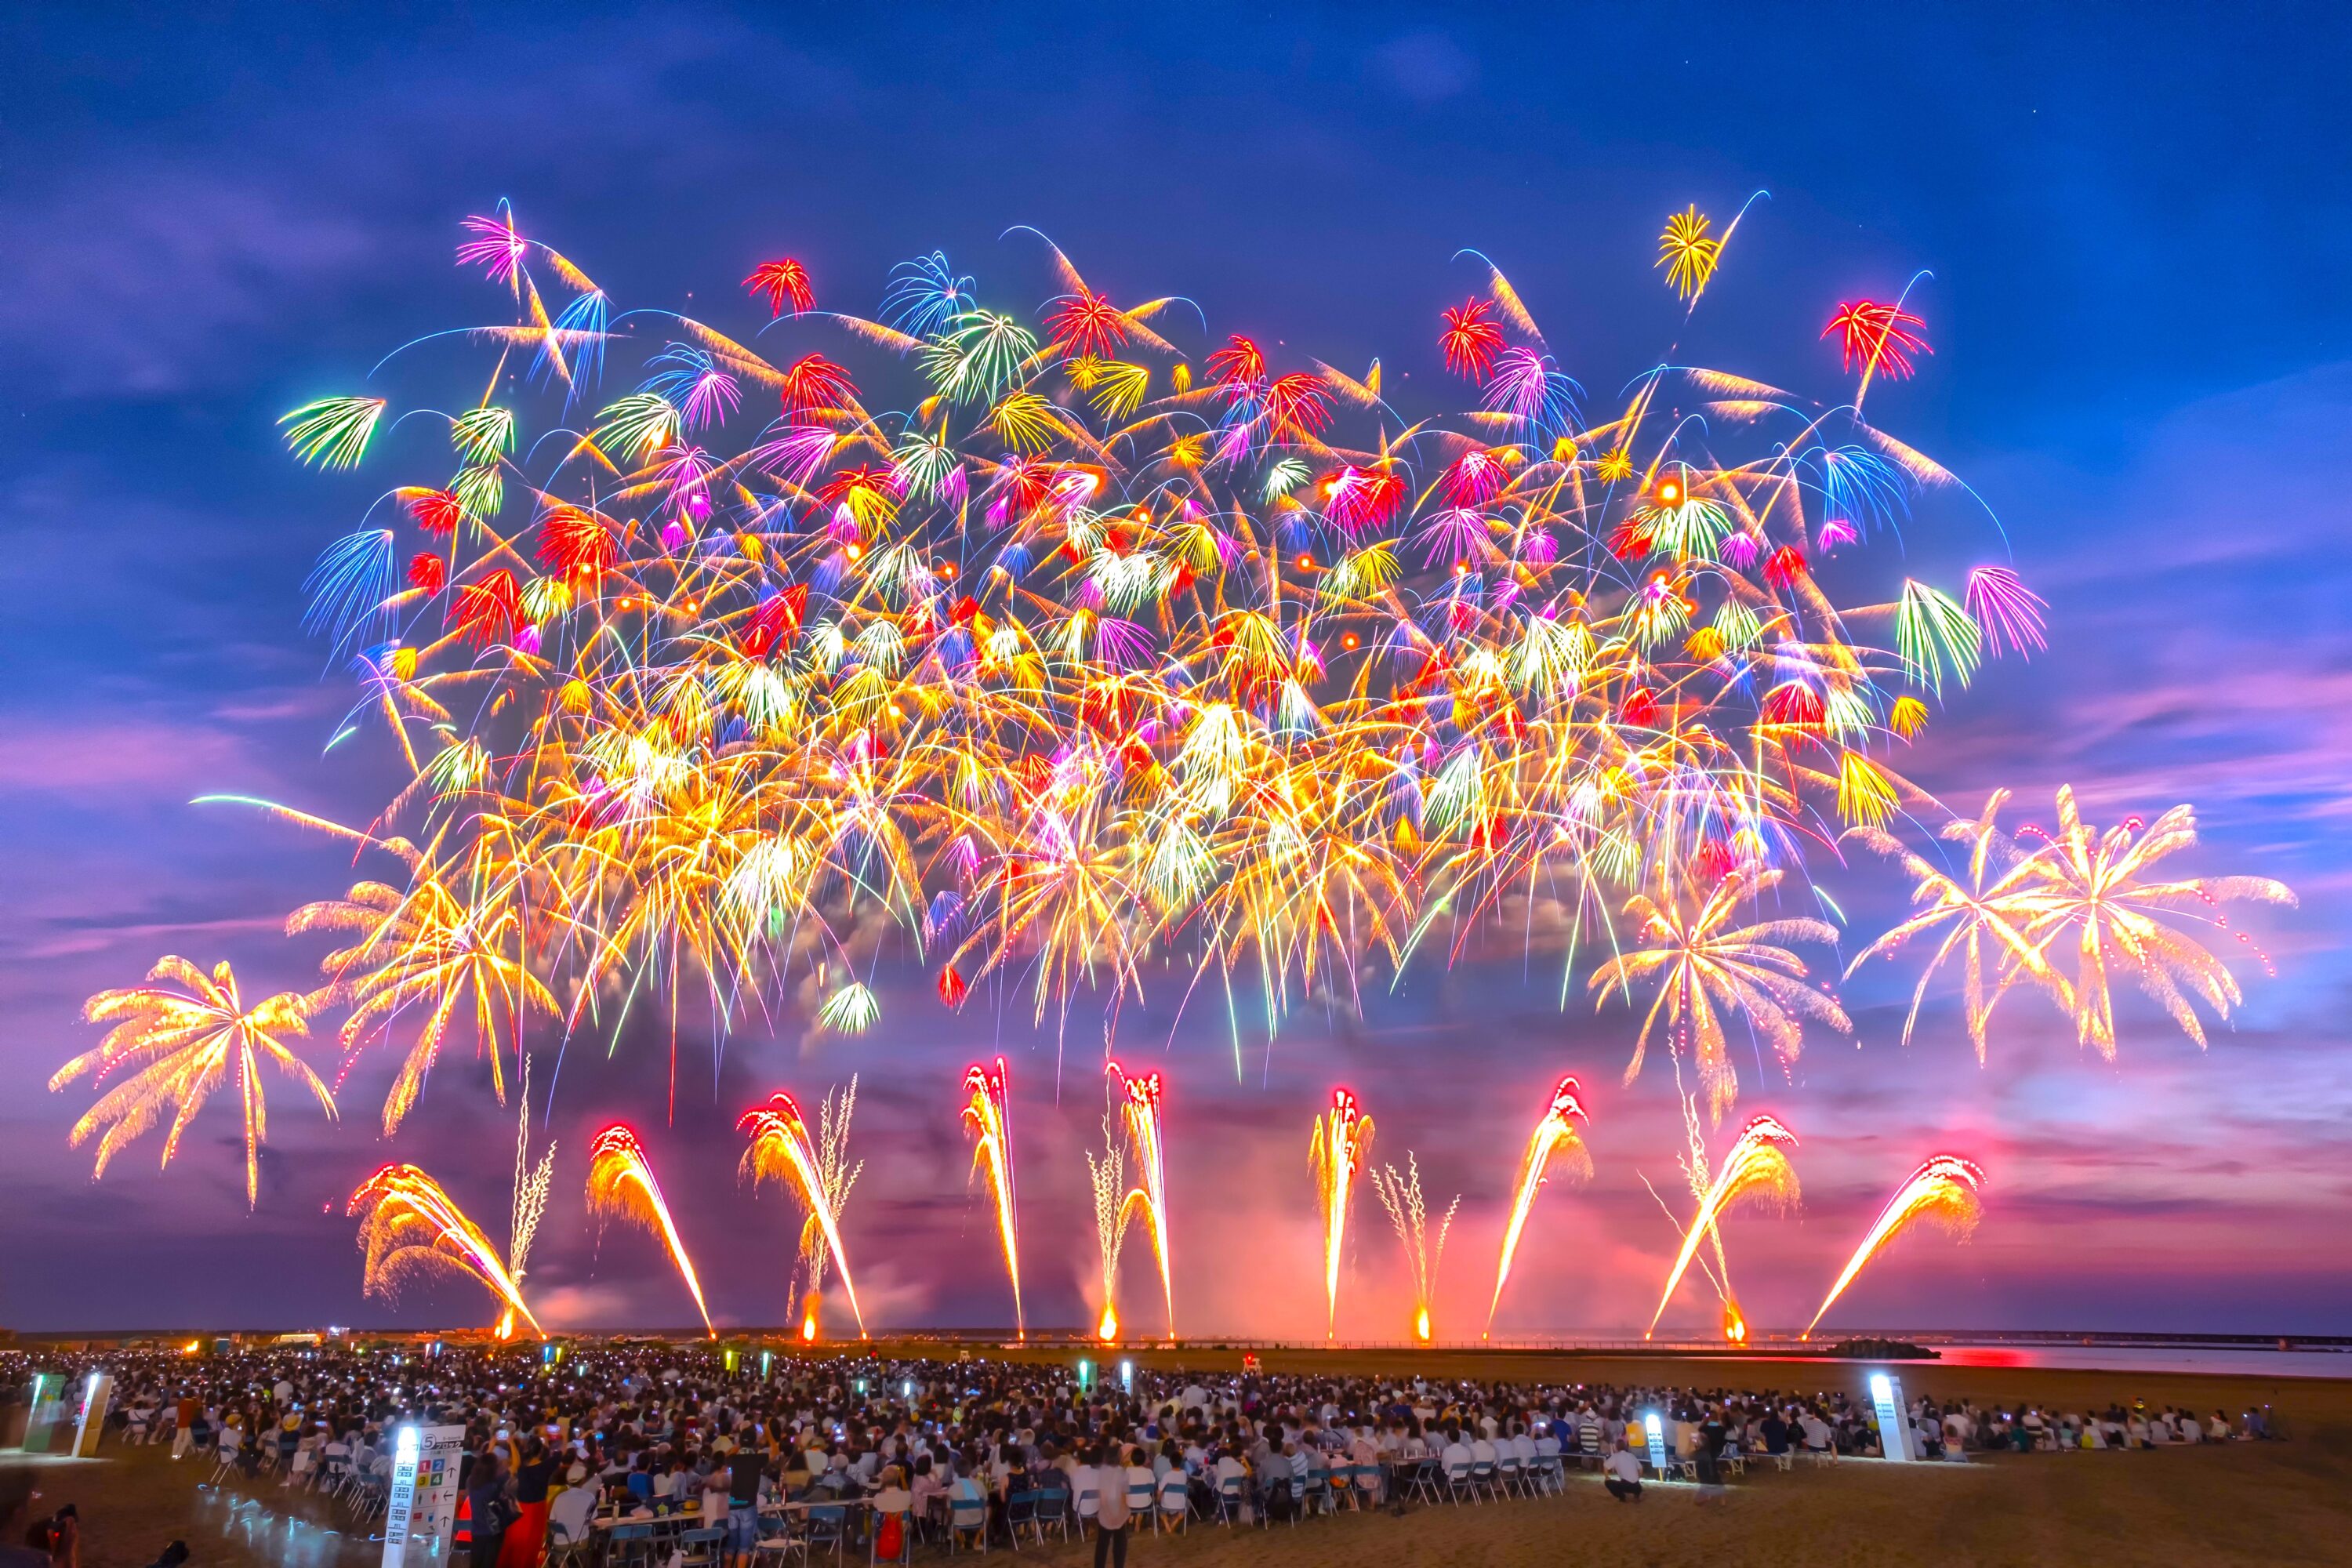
(1335, 1150)
(816, 1168)
(1139, 1104)
(1071, 646)
(1942, 1192)
(408, 1226)
(1400, 1196)
(1756, 1169)
(1554, 1137)
(620, 1183)
(988, 1117)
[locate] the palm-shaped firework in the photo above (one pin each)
(178, 1046)
(1705, 965)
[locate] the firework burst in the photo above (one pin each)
(1409, 1215)
(815, 1167)
(988, 1117)
(1554, 1139)
(1943, 1191)
(409, 1225)
(1336, 1151)
(172, 1047)
(1754, 1169)
(1139, 1104)
(621, 1184)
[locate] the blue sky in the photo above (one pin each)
(2133, 217)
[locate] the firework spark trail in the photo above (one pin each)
(1106, 1178)
(1754, 1167)
(1335, 1150)
(620, 1183)
(781, 1150)
(527, 1203)
(1141, 1107)
(409, 1223)
(1554, 1137)
(1942, 1191)
(988, 1115)
(1400, 1196)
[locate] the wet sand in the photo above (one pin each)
(2272, 1503)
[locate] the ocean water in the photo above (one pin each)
(2219, 1359)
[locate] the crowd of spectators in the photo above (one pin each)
(561, 1442)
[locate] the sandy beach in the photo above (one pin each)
(2272, 1503)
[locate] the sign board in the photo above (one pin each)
(434, 1513)
(96, 1394)
(400, 1503)
(1654, 1433)
(45, 1413)
(1894, 1416)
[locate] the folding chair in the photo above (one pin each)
(967, 1516)
(628, 1542)
(700, 1548)
(828, 1525)
(1020, 1514)
(1053, 1512)
(1457, 1482)
(1229, 1498)
(1175, 1503)
(1139, 1501)
(1426, 1482)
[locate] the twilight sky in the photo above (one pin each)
(2136, 219)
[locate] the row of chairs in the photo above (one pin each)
(1488, 1480)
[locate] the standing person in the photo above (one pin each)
(534, 1473)
(1111, 1518)
(486, 1500)
(744, 1468)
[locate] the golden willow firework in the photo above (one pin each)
(1942, 1191)
(988, 1116)
(1554, 1137)
(1409, 1215)
(1336, 1151)
(621, 1183)
(1059, 644)
(409, 1225)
